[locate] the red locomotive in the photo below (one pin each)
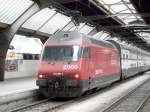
(73, 63)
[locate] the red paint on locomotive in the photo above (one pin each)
(94, 64)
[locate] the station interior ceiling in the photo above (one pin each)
(126, 21)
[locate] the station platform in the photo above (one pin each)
(16, 85)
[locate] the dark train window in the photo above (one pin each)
(57, 53)
(37, 56)
(31, 56)
(25, 56)
(86, 53)
(123, 56)
(126, 56)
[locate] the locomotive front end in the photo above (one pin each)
(59, 71)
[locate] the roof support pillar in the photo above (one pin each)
(6, 35)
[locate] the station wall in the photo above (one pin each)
(25, 68)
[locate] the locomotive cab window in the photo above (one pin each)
(86, 53)
(60, 53)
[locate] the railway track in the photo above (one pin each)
(41, 106)
(44, 105)
(36, 104)
(142, 104)
(132, 102)
(146, 106)
(16, 103)
(52, 105)
(15, 100)
(25, 107)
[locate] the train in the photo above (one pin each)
(73, 63)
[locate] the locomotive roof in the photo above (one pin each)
(73, 35)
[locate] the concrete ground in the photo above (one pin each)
(17, 85)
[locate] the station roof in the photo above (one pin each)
(105, 19)
(143, 10)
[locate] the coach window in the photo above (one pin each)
(123, 56)
(86, 53)
(126, 56)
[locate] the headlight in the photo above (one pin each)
(41, 76)
(77, 76)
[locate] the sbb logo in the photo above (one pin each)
(70, 67)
